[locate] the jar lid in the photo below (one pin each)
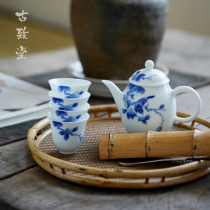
(149, 76)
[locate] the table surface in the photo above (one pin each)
(24, 185)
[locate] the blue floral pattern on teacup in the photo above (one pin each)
(67, 89)
(64, 116)
(138, 76)
(68, 107)
(67, 132)
(139, 109)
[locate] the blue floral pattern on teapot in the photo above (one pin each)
(140, 108)
(141, 76)
(148, 102)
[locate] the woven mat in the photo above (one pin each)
(88, 152)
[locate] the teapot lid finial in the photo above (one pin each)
(149, 65)
(149, 76)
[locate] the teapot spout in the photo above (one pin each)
(116, 93)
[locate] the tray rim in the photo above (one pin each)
(135, 184)
(104, 174)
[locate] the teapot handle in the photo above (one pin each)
(197, 98)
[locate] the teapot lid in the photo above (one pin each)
(149, 76)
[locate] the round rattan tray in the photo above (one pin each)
(86, 168)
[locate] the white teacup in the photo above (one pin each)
(69, 104)
(69, 87)
(68, 116)
(68, 136)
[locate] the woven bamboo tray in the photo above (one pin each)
(85, 167)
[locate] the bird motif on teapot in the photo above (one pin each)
(148, 102)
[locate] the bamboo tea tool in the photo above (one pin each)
(155, 144)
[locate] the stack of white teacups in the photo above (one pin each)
(68, 112)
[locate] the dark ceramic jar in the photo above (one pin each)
(114, 38)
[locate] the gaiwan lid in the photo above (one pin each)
(149, 76)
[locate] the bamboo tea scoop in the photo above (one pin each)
(165, 160)
(155, 144)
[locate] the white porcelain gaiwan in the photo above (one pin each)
(148, 102)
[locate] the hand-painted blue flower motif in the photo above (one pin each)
(139, 108)
(132, 96)
(78, 116)
(68, 107)
(144, 119)
(72, 119)
(65, 117)
(62, 114)
(124, 110)
(57, 100)
(137, 76)
(60, 102)
(65, 89)
(57, 124)
(67, 132)
(130, 86)
(162, 106)
(133, 108)
(130, 113)
(159, 128)
(131, 91)
(62, 88)
(157, 111)
(138, 89)
(74, 95)
(69, 119)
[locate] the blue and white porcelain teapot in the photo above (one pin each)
(148, 102)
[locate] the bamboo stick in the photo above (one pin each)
(155, 144)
